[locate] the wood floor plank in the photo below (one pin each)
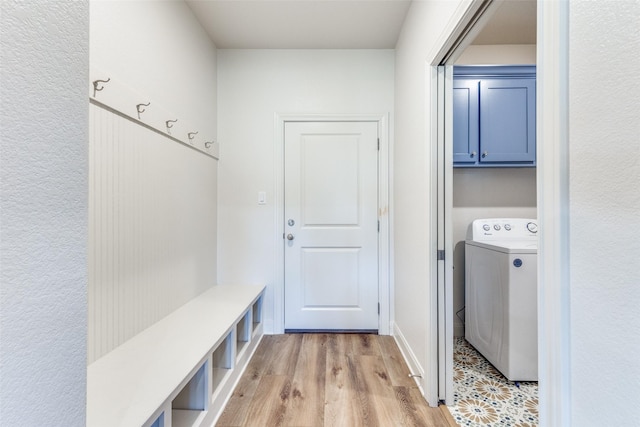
(271, 407)
(338, 344)
(373, 380)
(399, 373)
(364, 344)
(283, 361)
(416, 412)
(306, 405)
(344, 404)
(355, 344)
(236, 411)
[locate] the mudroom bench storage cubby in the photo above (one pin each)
(180, 371)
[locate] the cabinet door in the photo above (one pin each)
(466, 133)
(508, 120)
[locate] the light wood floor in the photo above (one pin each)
(352, 380)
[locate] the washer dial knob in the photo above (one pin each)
(507, 227)
(532, 227)
(486, 227)
(496, 227)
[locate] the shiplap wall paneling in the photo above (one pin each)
(152, 220)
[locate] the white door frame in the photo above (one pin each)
(468, 20)
(384, 284)
(554, 394)
(553, 196)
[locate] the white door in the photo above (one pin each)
(331, 225)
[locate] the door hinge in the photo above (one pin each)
(378, 226)
(378, 308)
(378, 144)
(440, 255)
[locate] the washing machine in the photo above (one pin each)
(501, 296)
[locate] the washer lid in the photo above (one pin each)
(507, 246)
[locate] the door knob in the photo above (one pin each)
(290, 236)
(485, 154)
(473, 154)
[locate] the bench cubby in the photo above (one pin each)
(159, 422)
(243, 333)
(189, 406)
(222, 361)
(256, 316)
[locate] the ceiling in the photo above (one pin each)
(338, 24)
(514, 22)
(302, 24)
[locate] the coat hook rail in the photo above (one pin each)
(191, 135)
(97, 87)
(119, 98)
(169, 124)
(141, 109)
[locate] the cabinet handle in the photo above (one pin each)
(485, 154)
(473, 154)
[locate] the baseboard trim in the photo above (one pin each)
(409, 357)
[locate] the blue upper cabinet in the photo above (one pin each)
(466, 109)
(494, 116)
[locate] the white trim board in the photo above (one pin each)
(384, 282)
(553, 213)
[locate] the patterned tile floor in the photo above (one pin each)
(484, 397)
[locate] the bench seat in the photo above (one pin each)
(136, 383)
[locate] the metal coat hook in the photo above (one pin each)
(140, 109)
(191, 135)
(96, 83)
(169, 124)
(208, 144)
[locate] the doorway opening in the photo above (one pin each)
(468, 383)
(381, 223)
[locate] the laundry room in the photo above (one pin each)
(496, 191)
(488, 184)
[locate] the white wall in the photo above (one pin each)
(498, 54)
(44, 56)
(152, 210)
(604, 208)
(414, 242)
(158, 49)
(254, 85)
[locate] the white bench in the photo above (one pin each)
(182, 370)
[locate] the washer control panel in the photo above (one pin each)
(503, 229)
